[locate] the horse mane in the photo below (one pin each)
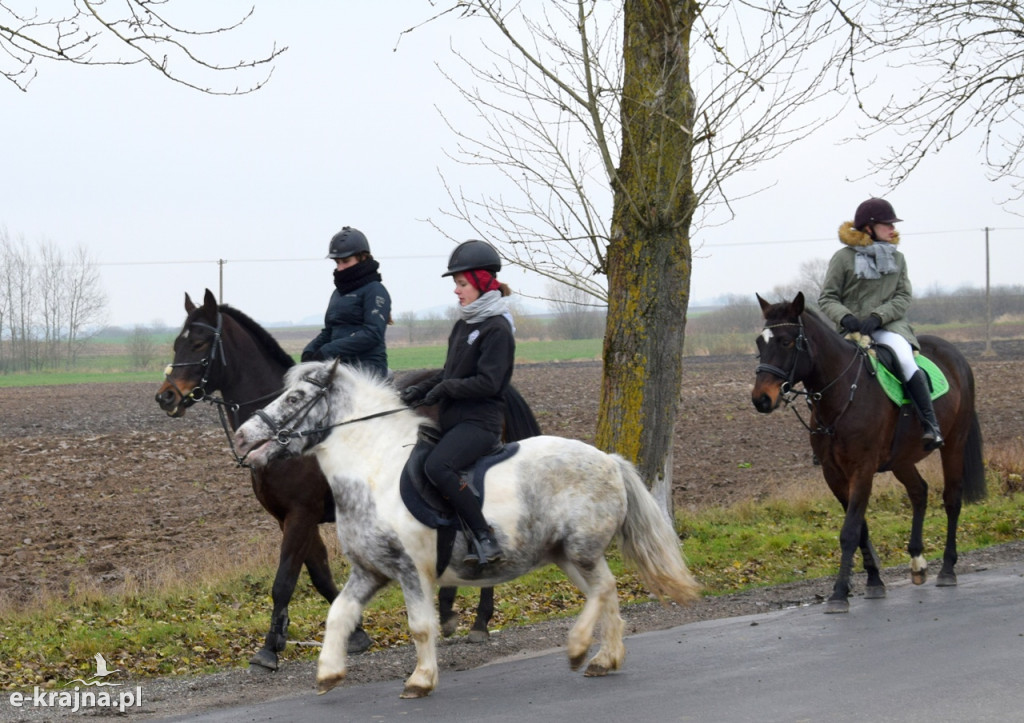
(262, 336)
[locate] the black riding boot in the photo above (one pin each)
(921, 396)
(483, 548)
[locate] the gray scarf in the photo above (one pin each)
(490, 304)
(874, 260)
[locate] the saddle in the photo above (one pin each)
(885, 368)
(424, 501)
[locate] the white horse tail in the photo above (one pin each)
(650, 543)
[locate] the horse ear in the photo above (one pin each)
(189, 306)
(798, 303)
(209, 300)
(764, 304)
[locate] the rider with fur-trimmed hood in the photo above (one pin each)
(867, 290)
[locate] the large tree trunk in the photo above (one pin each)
(649, 259)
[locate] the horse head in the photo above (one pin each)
(783, 351)
(194, 371)
(299, 419)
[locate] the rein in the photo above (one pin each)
(282, 434)
(813, 399)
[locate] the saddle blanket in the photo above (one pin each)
(893, 386)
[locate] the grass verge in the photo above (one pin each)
(213, 615)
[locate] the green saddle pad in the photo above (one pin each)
(894, 387)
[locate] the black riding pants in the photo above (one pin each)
(460, 447)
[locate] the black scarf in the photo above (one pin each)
(348, 280)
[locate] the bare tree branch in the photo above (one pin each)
(125, 32)
(965, 62)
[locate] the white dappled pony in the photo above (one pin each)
(555, 501)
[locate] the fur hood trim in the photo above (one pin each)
(852, 237)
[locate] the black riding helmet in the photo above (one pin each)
(874, 210)
(471, 255)
(347, 242)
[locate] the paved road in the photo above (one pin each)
(923, 654)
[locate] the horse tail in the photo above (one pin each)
(650, 543)
(974, 464)
(519, 420)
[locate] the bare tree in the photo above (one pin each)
(86, 302)
(129, 32)
(966, 61)
(141, 346)
(646, 108)
(576, 314)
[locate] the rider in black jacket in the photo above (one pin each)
(359, 310)
(470, 388)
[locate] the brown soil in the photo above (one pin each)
(100, 486)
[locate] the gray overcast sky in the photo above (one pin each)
(159, 181)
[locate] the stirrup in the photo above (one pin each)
(482, 550)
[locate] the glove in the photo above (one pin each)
(307, 356)
(870, 324)
(850, 323)
(435, 395)
(412, 394)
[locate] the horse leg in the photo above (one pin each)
(289, 564)
(952, 500)
(342, 619)
(423, 630)
(875, 589)
(917, 491)
(849, 539)
(320, 574)
(446, 610)
(601, 606)
(484, 612)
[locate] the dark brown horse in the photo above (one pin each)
(857, 431)
(220, 349)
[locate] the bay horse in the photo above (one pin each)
(220, 349)
(555, 500)
(857, 431)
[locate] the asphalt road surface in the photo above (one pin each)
(923, 654)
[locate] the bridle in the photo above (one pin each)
(283, 432)
(199, 392)
(789, 393)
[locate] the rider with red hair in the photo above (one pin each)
(470, 388)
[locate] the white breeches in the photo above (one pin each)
(901, 347)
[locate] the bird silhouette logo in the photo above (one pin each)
(101, 672)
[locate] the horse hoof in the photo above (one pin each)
(264, 661)
(449, 626)
(918, 577)
(414, 691)
(946, 579)
(874, 592)
(358, 642)
(595, 671)
(478, 636)
(837, 606)
(329, 683)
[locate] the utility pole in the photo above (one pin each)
(221, 262)
(988, 303)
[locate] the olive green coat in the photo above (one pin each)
(887, 297)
